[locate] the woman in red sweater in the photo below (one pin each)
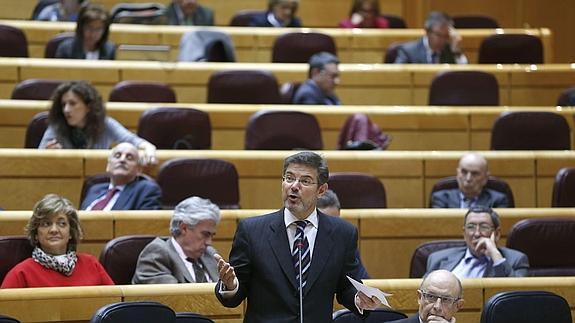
(54, 231)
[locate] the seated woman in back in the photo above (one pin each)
(91, 39)
(62, 10)
(54, 230)
(280, 13)
(77, 120)
(365, 14)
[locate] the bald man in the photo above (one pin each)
(472, 175)
(127, 190)
(439, 296)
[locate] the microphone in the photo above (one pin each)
(299, 244)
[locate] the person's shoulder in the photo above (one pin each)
(511, 253)
(86, 257)
(446, 252)
(260, 20)
(295, 22)
(205, 10)
(336, 222)
(22, 265)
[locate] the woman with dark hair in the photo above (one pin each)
(91, 39)
(77, 120)
(280, 13)
(54, 231)
(365, 14)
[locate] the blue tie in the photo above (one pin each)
(300, 238)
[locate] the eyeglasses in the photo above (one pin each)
(432, 298)
(483, 227)
(304, 181)
(440, 35)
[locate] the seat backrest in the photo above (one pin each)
(176, 128)
(526, 307)
(511, 49)
(391, 52)
(13, 42)
(54, 42)
(91, 181)
(567, 98)
(395, 21)
(544, 241)
(184, 317)
(358, 190)
(418, 264)
(35, 130)
(13, 249)
(474, 21)
(213, 179)
(206, 46)
(243, 87)
(360, 133)
(8, 319)
(283, 130)
(244, 17)
(378, 315)
(120, 256)
(464, 88)
(138, 13)
(298, 47)
(35, 89)
(530, 130)
(142, 91)
(140, 311)
(564, 188)
(493, 183)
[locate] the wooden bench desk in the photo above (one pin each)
(255, 44)
(361, 84)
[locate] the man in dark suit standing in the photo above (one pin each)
(439, 45)
(264, 260)
(472, 175)
(127, 190)
(323, 77)
(439, 296)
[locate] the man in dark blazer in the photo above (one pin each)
(280, 13)
(323, 77)
(439, 45)
(262, 266)
(480, 257)
(127, 190)
(439, 296)
(188, 12)
(187, 256)
(472, 175)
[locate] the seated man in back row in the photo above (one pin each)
(480, 257)
(127, 190)
(323, 77)
(472, 175)
(440, 44)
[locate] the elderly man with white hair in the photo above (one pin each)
(187, 256)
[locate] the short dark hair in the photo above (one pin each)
(484, 209)
(320, 60)
(93, 12)
(311, 159)
(437, 18)
(328, 199)
(273, 3)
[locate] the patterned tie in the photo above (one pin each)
(103, 202)
(198, 271)
(305, 254)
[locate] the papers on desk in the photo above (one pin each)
(370, 291)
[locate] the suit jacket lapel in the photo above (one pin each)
(278, 240)
(125, 196)
(321, 251)
(453, 259)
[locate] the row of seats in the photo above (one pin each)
(298, 47)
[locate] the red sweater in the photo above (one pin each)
(28, 273)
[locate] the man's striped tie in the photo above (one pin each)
(305, 255)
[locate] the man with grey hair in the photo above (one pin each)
(323, 77)
(187, 256)
(439, 296)
(440, 44)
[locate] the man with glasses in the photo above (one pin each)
(480, 257)
(439, 296)
(265, 266)
(439, 45)
(472, 176)
(187, 256)
(323, 77)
